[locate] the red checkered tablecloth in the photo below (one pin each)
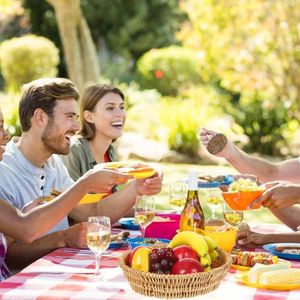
(68, 274)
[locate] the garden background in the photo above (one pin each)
(231, 66)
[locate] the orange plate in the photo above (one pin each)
(241, 200)
(137, 173)
(92, 198)
(243, 278)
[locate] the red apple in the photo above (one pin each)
(185, 251)
(187, 266)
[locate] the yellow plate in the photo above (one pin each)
(138, 173)
(244, 268)
(92, 198)
(243, 278)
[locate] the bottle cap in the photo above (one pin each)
(193, 180)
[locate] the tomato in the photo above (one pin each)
(187, 266)
(185, 251)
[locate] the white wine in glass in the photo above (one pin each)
(98, 237)
(231, 216)
(144, 212)
(177, 195)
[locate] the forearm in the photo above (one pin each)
(20, 254)
(289, 216)
(293, 237)
(114, 206)
(247, 164)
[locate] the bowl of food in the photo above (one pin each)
(241, 193)
(169, 222)
(225, 236)
(140, 241)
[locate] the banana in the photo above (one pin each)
(193, 239)
(211, 243)
(205, 261)
(213, 255)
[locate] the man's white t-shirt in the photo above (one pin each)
(21, 181)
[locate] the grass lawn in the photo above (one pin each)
(175, 172)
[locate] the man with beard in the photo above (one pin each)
(30, 168)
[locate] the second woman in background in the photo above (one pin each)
(102, 119)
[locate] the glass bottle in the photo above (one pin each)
(192, 217)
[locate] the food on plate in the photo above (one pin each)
(209, 178)
(249, 258)
(244, 185)
(53, 193)
(280, 277)
(244, 227)
(256, 273)
(120, 236)
(288, 249)
(137, 170)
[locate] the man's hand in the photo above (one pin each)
(216, 143)
(75, 236)
(102, 180)
(149, 186)
(249, 238)
(279, 194)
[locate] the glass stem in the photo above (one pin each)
(97, 266)
(213, 212)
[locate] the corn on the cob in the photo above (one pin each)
(282, 277)
(255, 273)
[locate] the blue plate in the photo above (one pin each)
(129, 223)
(116, 244)
(135, 242)
(271, 248)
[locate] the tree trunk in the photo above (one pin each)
(79, 50)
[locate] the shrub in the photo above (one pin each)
(185, 115)
(265, 121)
(169, 69)
(27, 58)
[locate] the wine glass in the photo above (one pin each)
(98, 238)
(144, 212)
(213, 199)
(231, 216)
(177, 195)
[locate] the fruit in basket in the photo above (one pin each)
(187, 266)
(132, 253)
(140, 259)
(161, 260)
(193, 239)
(185, 251)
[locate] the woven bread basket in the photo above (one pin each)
(175, 286)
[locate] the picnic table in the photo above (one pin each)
(67, 273)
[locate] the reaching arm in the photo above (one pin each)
(289, 216)
(28, 226)
(266, 171)
(118, 204)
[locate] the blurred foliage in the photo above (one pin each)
(169, 69)
(27, 58)
(250, 48)
(265, 122)
(185, 115)
(258, 43)
(127, 29)
(10, 108)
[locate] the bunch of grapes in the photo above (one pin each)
(161, 260)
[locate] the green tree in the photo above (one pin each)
(126, 28)
(247, 45)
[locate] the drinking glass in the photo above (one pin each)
(231, 216)
(144, 212)
(214, 200)
(178, 195)
(98, 238)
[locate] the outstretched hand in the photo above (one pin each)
(279, 194)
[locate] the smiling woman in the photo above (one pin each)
(102, 119)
